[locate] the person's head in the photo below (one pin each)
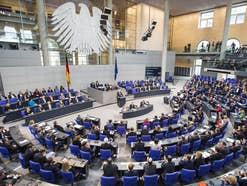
(109, 160)
(158, 127)
(130, 166)
(132, 129)
(65, 165)
(231, 179)
(223, 144)
(106, 140)
(145, 127)
(156, 141)
(198, 154)
(30, 147)
(42, 151)
(169, 158)
(1, 129)
(149, 160)
(109, 121)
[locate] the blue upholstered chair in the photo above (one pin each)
(86, 155)
(105, 154)
(171, 150)
(47, 175)
(131, 139)
(146, 138)
(155, 154)
(107, 181)
(171, 178)
(22, 161)
(203, 170)
(5, 152)
(67, 177)
(35, 166)
(130, 180)
(75, 150)
(185, 148)
(188, 175)
(139, 155)
(217, 165)
(151, 180)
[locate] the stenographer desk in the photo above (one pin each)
(137, 112)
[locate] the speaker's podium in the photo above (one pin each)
(121, 101)
(103, 97)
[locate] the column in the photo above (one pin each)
(110, 56)
(43, 30)
(166, 29)
(226, 29)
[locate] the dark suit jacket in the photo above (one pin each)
(145, 132)
(168, 167)
(132, 134)
(216, 156)
(106, 146)
(198, 162)
(131, 173)
(234, 148)
(187, 164)
(149, 169)
(38, 157)
(139, 146)
(110, 170)
(28, 155)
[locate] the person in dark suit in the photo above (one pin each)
(205, 137)
(198, 160)
(28, 154)
(149, 167)
(186, 162)
(234, 147)
(110, 169)
(194, 137)
(130, 171)
(145, 130)
(52, 166)
(223, 148)
(86, 148)
(131, 133)
(40, 157)
(139, 146)
(217, 155)
(168, 165)
(106, 145)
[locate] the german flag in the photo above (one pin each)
(67, 72)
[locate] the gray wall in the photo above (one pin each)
(21, 78)
(13, 58)
(148, 58)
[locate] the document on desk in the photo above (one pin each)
(24, 141)
(230, 140)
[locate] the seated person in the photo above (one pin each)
(235, 146)
(131, 133)
(223, 148)
(139, 145)
(110, 125)
(145, 130)
(106, 145)
(186, 162)
(149, 167)
(130, 172)
(229, 180)
(217, 155)
(9, 144)
(110, 169)
(31, 103)
(168, 166)
(86, 148)
(205, 137)
(77, 141)
(40, 157)
(155, 145)
(194, 137)
(79, 118)
(198, 160)
(29, 153)
(68, 168)
(132, 106)
(96, 130)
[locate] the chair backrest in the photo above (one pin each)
(155, 154)
(171, 134)
(171, 150)
(151, 180)
(174, 120)
(68, 177)
(87, 124)
(91, 136)
(171, 178)
(86, 155)
(121, 130)
(47, 175)
(217, 165)
(196, 145)
(49, 144)
(35, 166)
(70, 133)
(22, 161)
(156, 123)
(5, 152)
(146, 137)
(131, 139)
(107, 181)
(203, 170)
(188, 175)
(41, 140)
(237, 154)
(185, 148)
(228, 159)
(217, 139)
(139, 155)
(209, 142)
(159, 136)
(74, 149)
(102, 137)
(105, 154)
(23, 113)
(165, 123)
(129, 180)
